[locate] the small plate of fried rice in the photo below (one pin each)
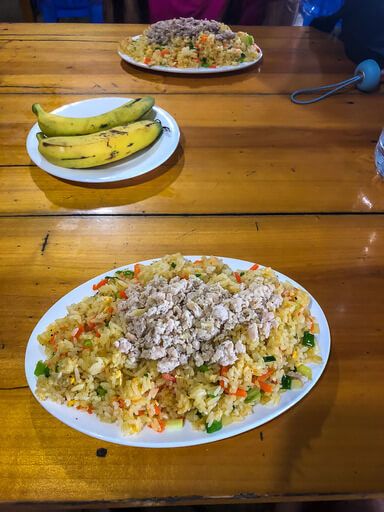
(177, 351)
(187, 45)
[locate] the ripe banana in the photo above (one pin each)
(82, 151)
(54, 125)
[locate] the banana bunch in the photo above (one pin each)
(80, 143)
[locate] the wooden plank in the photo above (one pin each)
(43, 64)
(121, 30)
(247, 150)
(330, 444)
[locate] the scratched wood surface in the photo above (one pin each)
(329, 444)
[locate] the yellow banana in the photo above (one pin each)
(54, 125)
(82, 151)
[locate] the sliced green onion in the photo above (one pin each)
(268, 359)
(286, 382)
(42, 369)
(88, 343)
(197, 275)
(204, 62)
(253, 395)
(308, 339)
(100, 391)
(214, 427)
(203, 368)
(176, 424)
(173, 264)
(126, 273)
(305, 370)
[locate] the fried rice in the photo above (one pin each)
(86, 369)
(190, 43)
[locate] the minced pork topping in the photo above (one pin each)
(163, 32)
(171, 322)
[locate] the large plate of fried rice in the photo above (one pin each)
(187, 45)
(177, 351)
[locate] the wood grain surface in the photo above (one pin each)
(330, 443)
(248, 150)
(254, 178)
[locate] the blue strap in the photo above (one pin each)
(331, 89)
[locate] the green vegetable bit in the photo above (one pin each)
(204, 62)
(214, 427)
(253, 395)
(308, 339)
(286, 382)
(268, 359)
(88, 343)
(57, 368)
(126, 273)
(242, 273)
(42, 369)
(173, 264)
(197, 275)
(250, 40)
(191, 45)
(100, 391)
(203, 368)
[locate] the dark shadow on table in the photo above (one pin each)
(89, 196)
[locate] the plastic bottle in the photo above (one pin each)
(379, 155)
(313, 8)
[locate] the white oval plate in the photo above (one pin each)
(139, 163)
(92, 426)
(190, 71)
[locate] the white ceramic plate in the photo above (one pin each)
(92, 426)
(190, 71)
(139, 163)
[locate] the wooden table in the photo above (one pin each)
(255, 177)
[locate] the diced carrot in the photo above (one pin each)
(224, 370)
(79, 331)
(97, 334)
(237, 277)
(157, 410)
(254, 267)
(122, 294)
(223, 385)
(164, 52)
(100, 284)
(141, 413)
(168, 377)
(90, 410)
(312, 328)
(147, 60)
(161, 426)
(121, 403)
(53, 341)
(136, 270)
(203, 38)
(213, 66)
(265, 375)
(240, 392)
(110, 310)
(264, 386)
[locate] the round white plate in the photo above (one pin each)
(92, 426)
(190, 71)
(139, 163)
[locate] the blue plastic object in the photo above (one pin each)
(53, 10)
(314, 8)
(367, 78)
